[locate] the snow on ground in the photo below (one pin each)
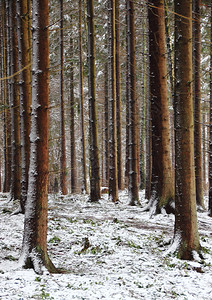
(124, 258)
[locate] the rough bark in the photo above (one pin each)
(6, 184)
(15, 187)
(186, 238)
(34, 247)
(24, 92)
(197, 105)
(72, 126)
(127, 108)
(113, 175)
(63, 188)
(82, 122)
(118, 96)
(94, 149)
(133, 108)
(106, 127)
(210, 145)
(144, 75)
(162, 186)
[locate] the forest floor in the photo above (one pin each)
(112, 252)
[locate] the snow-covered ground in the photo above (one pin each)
(125, 258)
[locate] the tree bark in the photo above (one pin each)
(210, 144)
(15, 187)
(82, 122)
(63, 188)
(94, 148)
(72, 126)
(106, 126)
(162, 186)
(24, 92)
(34, 247)
(186, 237)
(113, 172)
(118, 96)
(197, 105)
(6, 122)
(133, 108)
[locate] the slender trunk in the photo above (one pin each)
(84, 176)
(197, 105)
(210, 145)
(72, 126)
(186, 235)
(143, 109)
(148, 119)
(118, 96)
(5, 97)
(34, 247)
(15, 187)
(127, 106)
(113, 179)
(94, 149)
(133, 108)
(63, 188)
(106, 127)
(25, 93)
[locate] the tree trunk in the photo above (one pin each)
(6, 184)
(127, 106)
(148, 118)
(94, 149)
(106, 127)
(72, 126)
(84, 176)
(186, 235)
(144, 75)
(113, 175)
(63, 188)
(24, 92)
(162, 187)
(133, 107)
(197, 106)
(210, 146)
(34, 247)
(118, 96)
(15, 187)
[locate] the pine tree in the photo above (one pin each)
(186, 230)
(24, 92)
(162, 186)
(94, 148)
(133, 107)
(113, 172)
(34, 247)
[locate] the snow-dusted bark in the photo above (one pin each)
(72, 121)
(63, 188)
(106, 128)
(34, 247)
(15, 187)
(82, 122)
(7, 176)
(210, 147)
(197, 105)
(118, 97)
(113, 175)
(133, 106)
(186, 229)
(94, 150)
(24, 93)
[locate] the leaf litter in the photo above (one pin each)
(111, 251)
